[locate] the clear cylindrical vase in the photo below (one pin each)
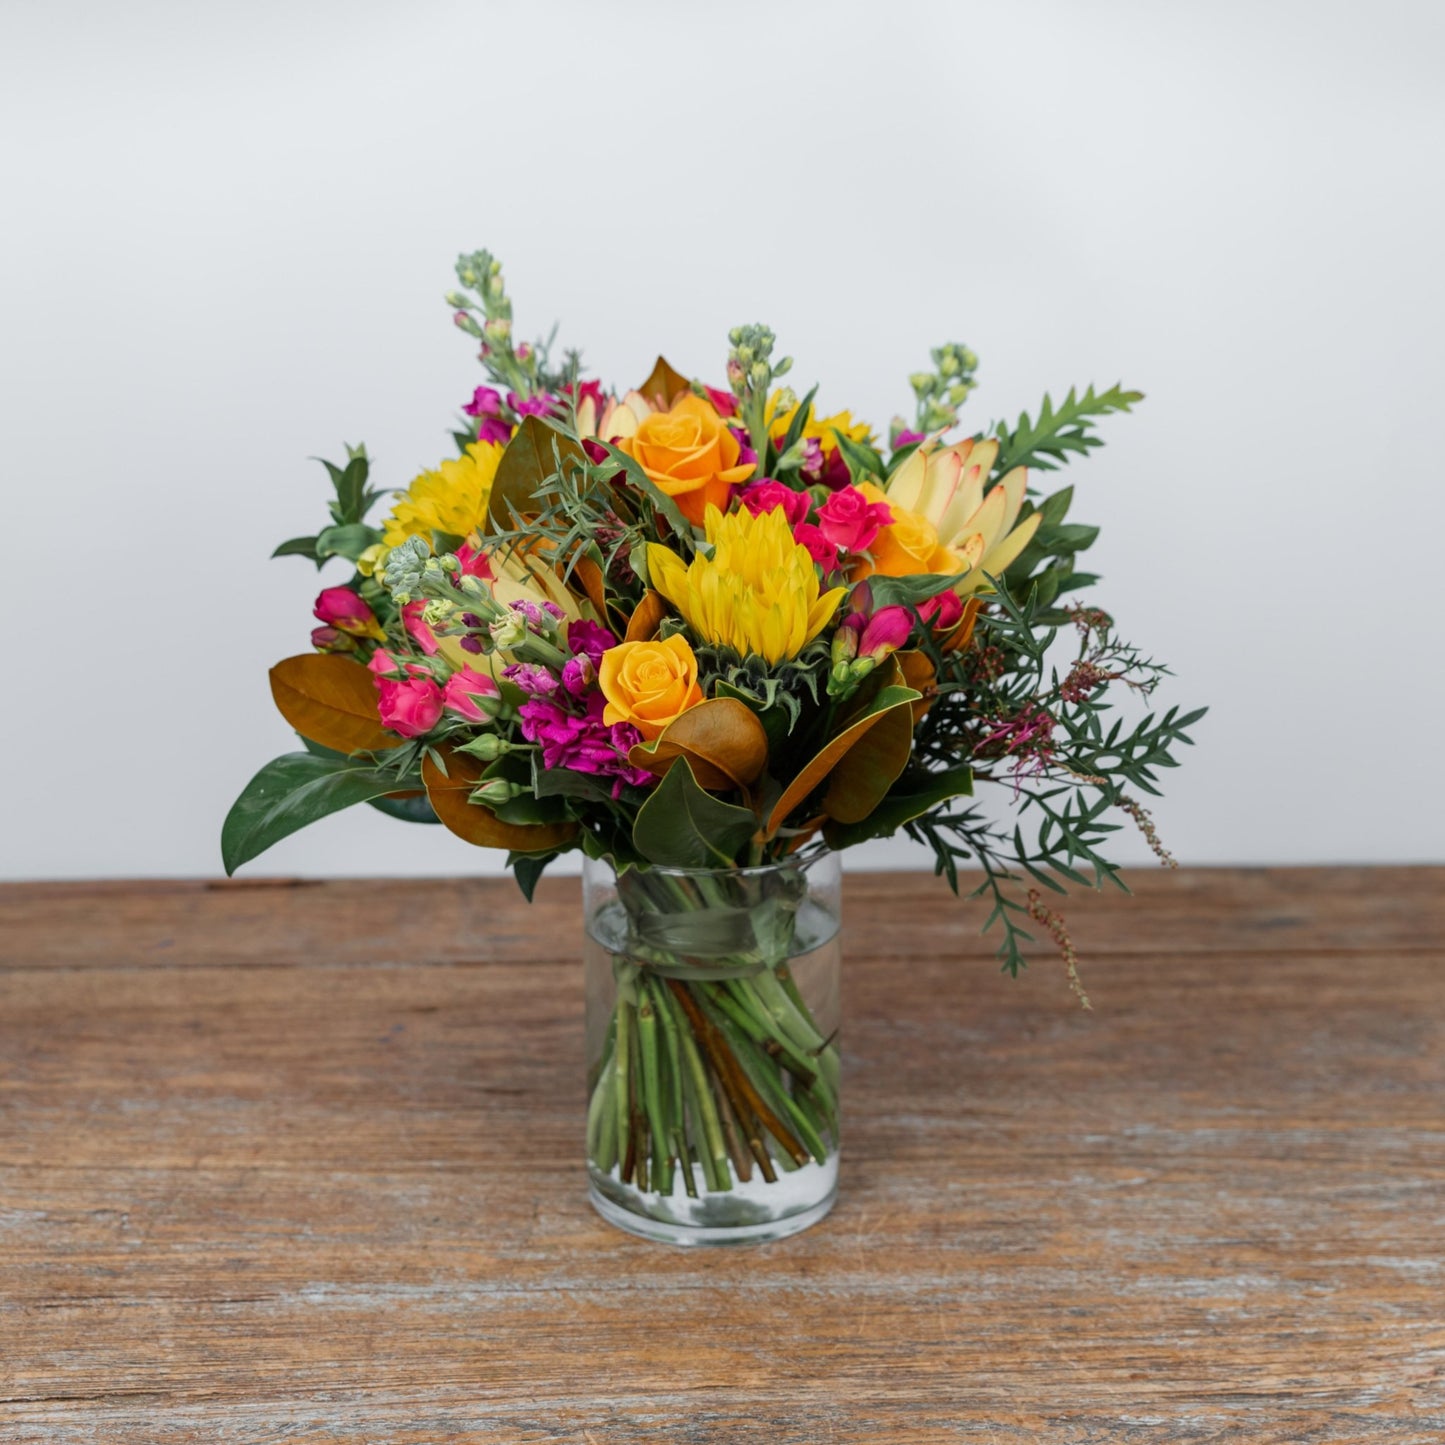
(713, 1002)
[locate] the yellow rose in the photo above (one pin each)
(649, 684)
(906, 547)
(690, 454)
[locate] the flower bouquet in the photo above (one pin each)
(711, 637)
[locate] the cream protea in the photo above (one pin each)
(943, 522)
(757, 593)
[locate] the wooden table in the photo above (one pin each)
(300, 1161)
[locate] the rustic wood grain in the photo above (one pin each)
(279, 1162)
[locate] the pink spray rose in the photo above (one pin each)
(767, 494)
(850, 521)
(464, 689)
(410, 704)
(822, 551)
(409, 708)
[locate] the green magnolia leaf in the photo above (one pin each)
(290, 792)
(683, 826)
(348, 541)
(408, 807)
(527, 869)
(299, 547)
(911, 799)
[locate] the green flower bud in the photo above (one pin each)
(488, 748)
(508, 631)
(496, 791)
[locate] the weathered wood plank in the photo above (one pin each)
(271, 922)
(340, 1200)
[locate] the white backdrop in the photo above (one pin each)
(227, 231)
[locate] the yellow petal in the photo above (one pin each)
(906, 484)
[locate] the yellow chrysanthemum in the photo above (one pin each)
(815, 428)
(452, 499)
(758, 591)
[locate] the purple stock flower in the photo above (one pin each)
(906, 438)
(745, 451)
(578, 675)
(590, 640)
(486, 401)
(582, 744)
(541, 405)
(535, 681)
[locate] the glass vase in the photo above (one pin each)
(712, 1048)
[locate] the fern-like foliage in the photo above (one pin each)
(1047, 443)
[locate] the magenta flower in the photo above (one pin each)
(535, 681)
(822, 551)
(474, 563)
(884, 632)
(724, 403)
(328, 639)
(540, 405)
(850, 521)
(908, 438)
(578, 675)
(745, 451)
(590, 640)
(582, 743)
(486, 401)
(944, 611)
(766, 494)
(343, 609)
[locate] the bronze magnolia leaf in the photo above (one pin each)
(664, 386)
(331, 700)
(643, 624)
(530, 458)
(884, 692)
(449, 792)
(721, 738)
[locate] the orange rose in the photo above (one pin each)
(690, 454)
(906, 547)
(648, 684)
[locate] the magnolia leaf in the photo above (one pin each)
(920, 674)
(290, 792)
(871, 766)
(683, 826)
(588, 572)
(902, 806)
(331, 700)
(409, 807)
(882, 692)
(529, 460)
(349, 540)
(664, 386)
(449, 788)
(721, 739)
(643, 624)
(299, 547)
